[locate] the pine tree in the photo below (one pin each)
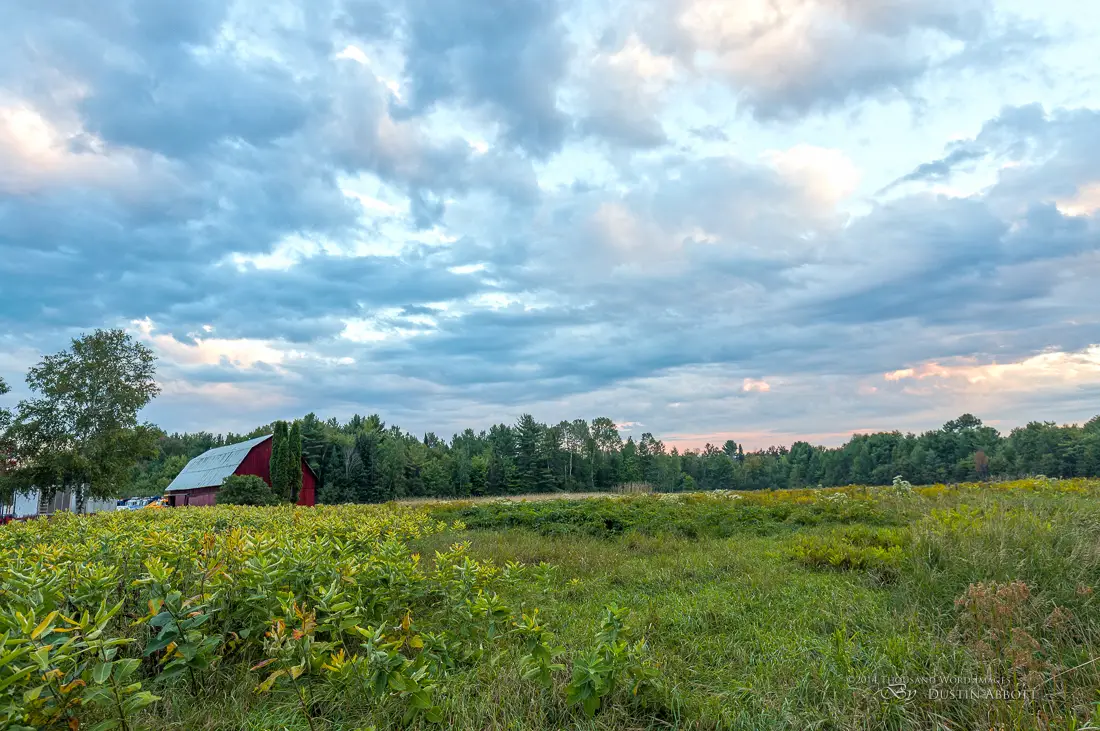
(368, 479)
(528, 452)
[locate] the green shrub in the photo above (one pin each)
(719, 514)
(877, 551)
(245, 490)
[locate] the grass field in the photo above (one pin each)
(965, 607)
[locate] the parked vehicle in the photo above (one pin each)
(137, 503)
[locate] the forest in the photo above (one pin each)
(81, 430)
(363, 460)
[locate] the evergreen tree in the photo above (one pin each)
(317, 446)
(294, 461)
(502, 477)
(528, 437)
(364, 461)
(280, 480)
(631, 465)
(392, 464)
(368, 476)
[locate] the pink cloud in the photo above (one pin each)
(1055, 366)
(759, 439)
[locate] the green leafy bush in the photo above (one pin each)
(615, 662)
(307, 606)
(697, 515)
(877, 551)
(245, 490)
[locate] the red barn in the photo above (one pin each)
(201, 479)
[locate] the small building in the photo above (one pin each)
(201, 479)
(36, 503)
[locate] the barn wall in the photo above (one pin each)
(308, 495)
(199, 497)
(202, 496)
(258, 462)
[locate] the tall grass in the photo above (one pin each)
(770, 610)
(854, 608)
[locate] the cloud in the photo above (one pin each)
(787, 58)
(755, 384)
(827, 176)
(939, 169)
(238, 353)
(624, 93)
(508, 58)
(457, 213)
(1084, 202)
(1082, 366)
(710, 133)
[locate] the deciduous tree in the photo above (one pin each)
(5, 445)
(245, 490)
(80, 431)
(5, 414)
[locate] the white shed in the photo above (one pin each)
(35, 503)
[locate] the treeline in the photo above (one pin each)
(364, 460)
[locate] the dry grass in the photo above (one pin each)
(529, 497)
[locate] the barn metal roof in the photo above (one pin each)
(210, 468)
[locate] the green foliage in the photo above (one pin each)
(155, 478)
(6, 447)
(5, 414)
(180, 637)
(280, 459)
(81, 429)
(246, 490)
(613, 662)
(320, 603)
(537, 662)
(878, 552)
(374, 616)
(363, 460)
(61, 668)
(294, 461)
(715, 515)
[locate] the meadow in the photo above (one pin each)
(951, 607)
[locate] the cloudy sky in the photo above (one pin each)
(703, 218)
